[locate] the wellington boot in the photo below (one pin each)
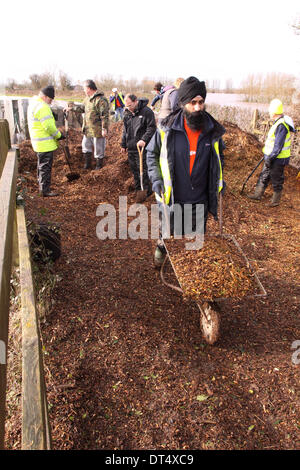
(275, 201)
(258, 193)
(87, 161)
(99, 163)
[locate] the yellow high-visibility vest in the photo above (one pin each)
(270, 141)
(165, 170)
(42, 128)
(114, 101)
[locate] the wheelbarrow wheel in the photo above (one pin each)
(209, 321)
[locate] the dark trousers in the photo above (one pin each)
(274, 174)
(44, 168)
(134, 163)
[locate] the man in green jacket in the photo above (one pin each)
(44, 136)
(95, 124)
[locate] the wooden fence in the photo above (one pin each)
(36, 433)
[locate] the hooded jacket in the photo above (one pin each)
(139, 125)
(160, 95)
(206, 180)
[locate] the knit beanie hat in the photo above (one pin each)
(49, 91)
(190, 88)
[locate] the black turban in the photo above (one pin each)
(48, 91)
(190, 88)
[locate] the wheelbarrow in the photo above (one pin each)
(210, 310)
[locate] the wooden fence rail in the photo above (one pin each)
(35, 424)
(36, 433)
(7, 216)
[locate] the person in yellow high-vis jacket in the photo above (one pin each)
(116, 99)
(277, 151)
(44, 136)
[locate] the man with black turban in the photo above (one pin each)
(185, 161)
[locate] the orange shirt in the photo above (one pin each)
(193, 137)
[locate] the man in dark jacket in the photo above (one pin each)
(139, 127)
(185, 158)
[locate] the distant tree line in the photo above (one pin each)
(262, 89)
(256, 88)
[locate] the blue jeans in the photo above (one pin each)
(119, 114)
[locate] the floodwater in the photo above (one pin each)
(233, 99)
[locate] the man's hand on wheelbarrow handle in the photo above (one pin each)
(158, 187)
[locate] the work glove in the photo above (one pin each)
(158, 187)
(62, 137)
(268, 162)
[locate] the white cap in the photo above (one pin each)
(114, 90)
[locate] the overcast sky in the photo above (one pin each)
(220, 39)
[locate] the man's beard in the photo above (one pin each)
(194, 120)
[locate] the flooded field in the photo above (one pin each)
(233, 99)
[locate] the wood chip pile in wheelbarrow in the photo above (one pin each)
(216, 271)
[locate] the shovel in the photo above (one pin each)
(248, 177)
(141, 194)
(72, 176)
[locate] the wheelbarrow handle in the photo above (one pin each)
(141, 150)
(221, 213)
(166, 214)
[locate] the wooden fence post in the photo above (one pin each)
(4, 142)
(254, 119)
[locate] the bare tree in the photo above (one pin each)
(65, 82)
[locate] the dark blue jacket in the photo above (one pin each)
(202, 185)
(280, 135)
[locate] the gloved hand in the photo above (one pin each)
(158, 187)
(268, 162)
(62, 137)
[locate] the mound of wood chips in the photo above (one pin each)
(217, 270)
